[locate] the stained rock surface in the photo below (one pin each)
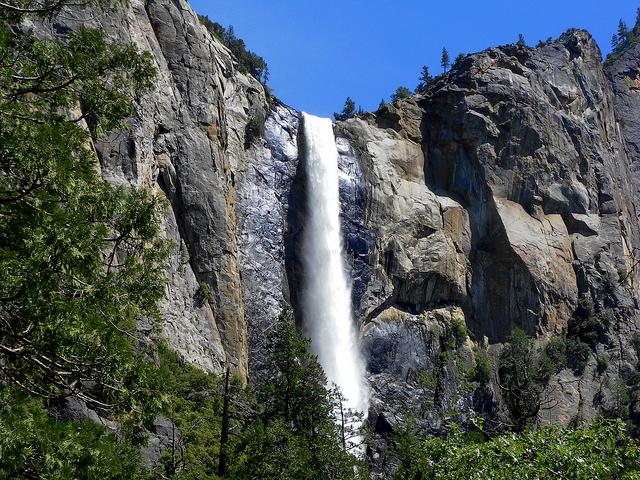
(499, 198)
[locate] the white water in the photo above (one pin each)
(327, 291)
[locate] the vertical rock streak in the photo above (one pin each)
(327, 292)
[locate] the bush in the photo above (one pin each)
(522, 372)
(255, 128)
(603, 450)
(556, 352)
(584, 324)
(400, 93)
(603, 363)
(578, 354)
(34, 445)
(483, 369)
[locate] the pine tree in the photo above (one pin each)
(80, 260)
(425, 80)
(348, 111)
(382, 104)
(459, 58)
(444, 60)
(521, 41)
(400, 93)
(296, 434)
(622, 37)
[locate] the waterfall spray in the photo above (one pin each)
(327, 291)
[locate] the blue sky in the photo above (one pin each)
(320, 52)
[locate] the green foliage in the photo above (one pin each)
(288, 428)
(34, 445)
(542, 43)
(295, 434)
(483, 369)
(455, 334)
(248, 62)
(255, 128)
(400, 94)
(425, 80)
(522, 372)
(521, 41)
(195, 405)
(444, 60)
(603, 363)
(348, 111)
(623, 39)
(204, 294)
(556, 353)
(567, 352)
(80, 260)
(604, 451)
(459, 58)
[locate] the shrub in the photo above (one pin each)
(556, 352)
(521, 374)
(254, 129)
(603, 363)
(483, 369)
(578, 354)
(400, 94)
(604, 450)
(584, 324)
(203, 294)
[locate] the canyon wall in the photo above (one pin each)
(498, 198)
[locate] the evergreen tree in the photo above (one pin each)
(382, 104)
(614, 41)
(296, 434)
(622, 37)
(400, 93)
(348, 111)
(521, 374)
(444, 60)
(425, 80)
(459, 58)
(521, 41)
(79, 259)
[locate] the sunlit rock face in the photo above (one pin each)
(500, 197)
(506, 191)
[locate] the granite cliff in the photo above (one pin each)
(503, 196)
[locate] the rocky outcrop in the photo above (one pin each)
(507, 190)
(500, 197)
(188, 141)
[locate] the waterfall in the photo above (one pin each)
(327, 290)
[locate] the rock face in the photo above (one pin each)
(500, 197)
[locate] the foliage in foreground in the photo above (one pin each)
(601, 451)
(79, 259)
(34, 445)
(285, 429)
